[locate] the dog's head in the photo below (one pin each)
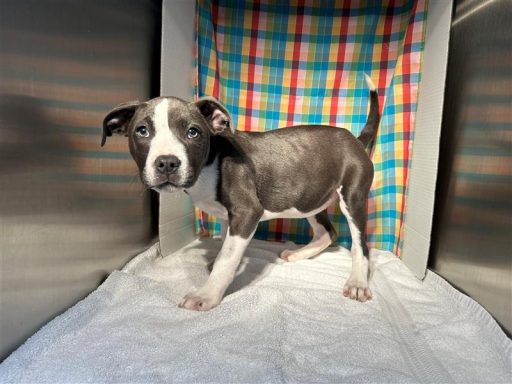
(169, 138)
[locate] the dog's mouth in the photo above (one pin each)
(166, 186)
(169, 186)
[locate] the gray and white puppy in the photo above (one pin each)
(246, 177)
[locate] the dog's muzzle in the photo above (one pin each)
(169, 175)
(167, 165)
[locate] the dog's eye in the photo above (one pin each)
(142, 131)
(192, 133)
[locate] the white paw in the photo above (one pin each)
(357, 289)
(198, 302)
(286, 254)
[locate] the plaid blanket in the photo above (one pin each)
(279, 63)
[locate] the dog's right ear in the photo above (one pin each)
(117, 120)
(216, 114)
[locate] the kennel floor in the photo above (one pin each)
(279, 323)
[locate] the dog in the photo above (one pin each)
(247, 177)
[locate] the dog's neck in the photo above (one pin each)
(206, 190)
(221, 145)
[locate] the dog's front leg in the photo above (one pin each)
(224, 229)
(223, 272)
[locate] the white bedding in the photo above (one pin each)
(280, 322)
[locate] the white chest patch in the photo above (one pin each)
(204, 192)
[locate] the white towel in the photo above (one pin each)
(279, 323)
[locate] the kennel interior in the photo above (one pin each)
(72, 214)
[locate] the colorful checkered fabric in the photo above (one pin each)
(274, 64)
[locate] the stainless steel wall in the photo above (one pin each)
(472, 236)
(70, 212)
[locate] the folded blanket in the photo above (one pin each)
(280, 322)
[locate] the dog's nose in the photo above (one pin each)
(167, 164)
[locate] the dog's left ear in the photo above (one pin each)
(118, 119)
(216, 114)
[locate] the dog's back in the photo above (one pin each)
(298, 166)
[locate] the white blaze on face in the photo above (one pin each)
(164, 143)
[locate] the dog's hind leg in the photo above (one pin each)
(353, 206)
(323, 235)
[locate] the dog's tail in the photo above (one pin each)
(369, 131)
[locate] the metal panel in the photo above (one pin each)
(176, 224)
(70, 212)
(472, 239)
(421, 188)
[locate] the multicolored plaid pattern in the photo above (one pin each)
(274, 64)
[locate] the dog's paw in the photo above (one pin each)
(288, 255)
(285, 254)
(197, 302)
(357, 289)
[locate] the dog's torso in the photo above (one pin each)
(287, 173)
